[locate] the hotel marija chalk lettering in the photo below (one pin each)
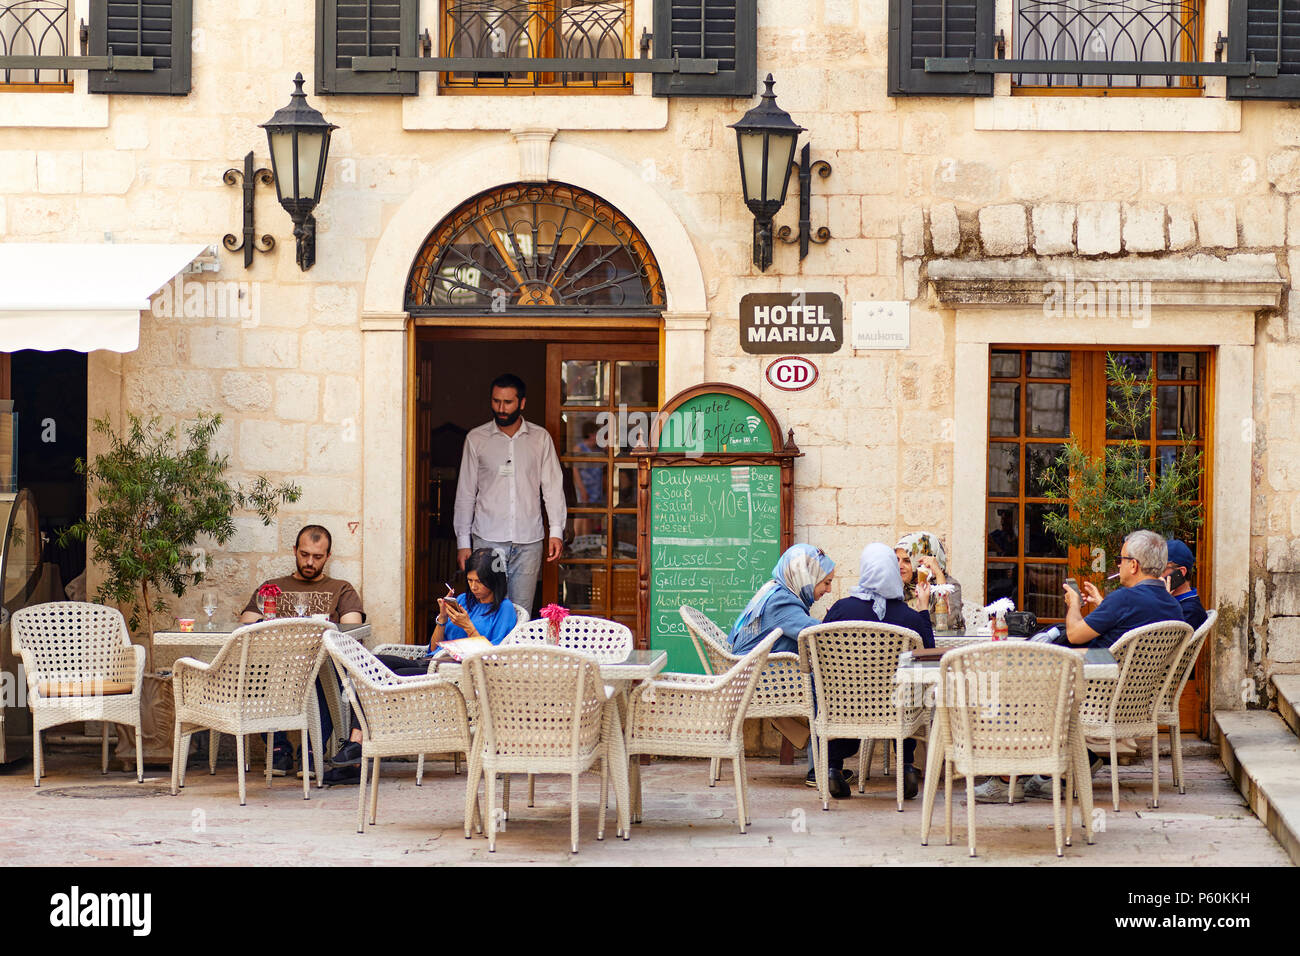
(791, 323)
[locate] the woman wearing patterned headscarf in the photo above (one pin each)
(924, 549)
(801, 577)
(878, 597)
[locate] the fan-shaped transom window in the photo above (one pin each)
(536, 247)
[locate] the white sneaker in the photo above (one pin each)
(996, 790)
(1039, 786)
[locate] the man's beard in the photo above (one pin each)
(505, 421)
(308, 572)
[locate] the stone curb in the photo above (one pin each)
(1262, 756)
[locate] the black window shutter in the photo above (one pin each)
(725, 30)
(938, 28)
(1269, 29)
(348, 28)
(157, 28)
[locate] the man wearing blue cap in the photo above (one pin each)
(1178, 573)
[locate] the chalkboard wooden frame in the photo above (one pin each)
(648, 459)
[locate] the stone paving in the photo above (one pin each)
(79, 818)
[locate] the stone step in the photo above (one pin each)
(1262, 756)
(1288, 699)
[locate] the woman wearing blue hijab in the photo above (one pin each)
(801, 577)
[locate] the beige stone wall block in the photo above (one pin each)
(1033, 179)
(1284, 639)
(871, 174)
(1282, 554)
(1182, 227)
(966, 180)
(1053, 225)
(1263, 221)
(272, 446)
(251, 536)
(1293, 221)
(912, 279)
(334, 449)
(58, 171)
(1002, 230)
(816, 506)
(191, 137)
(3, 219)
(108, 171)
(210, 347)
(18, 171)
(925, 132)
(333, 351)
(157, 345)
(337, 260)
(918, 468)
(130, 130)
(887, 253)
(326, 493)
(843, 465)
(39, 216)
(808, 469)
(878, 131)
(1160, 175)
(1144, 227)
(1295, 516)
(913, 220)
(1099, 228)
(1216, 223)
(1101, 178)
(246, 391)
(167, 176)
(880, 218)
(163, 390)
(342, 399)
(297, 397)
(1283, 170)
(843, 257)
(923, 509)
(844, 216)
(945, 231)
(349, 210)
(266, 349)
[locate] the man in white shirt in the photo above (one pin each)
(505, 464)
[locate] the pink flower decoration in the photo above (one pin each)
(554, 615)
(269, 589)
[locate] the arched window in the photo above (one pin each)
(536, 247)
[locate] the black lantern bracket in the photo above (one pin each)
(805, 169)
(249, 243)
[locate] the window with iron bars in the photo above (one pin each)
(1143, 31)
(34, 28)
(586, 29)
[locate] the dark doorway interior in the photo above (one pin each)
(49, 394)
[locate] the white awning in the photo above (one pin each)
(81, 296)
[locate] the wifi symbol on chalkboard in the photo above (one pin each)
(753, 421)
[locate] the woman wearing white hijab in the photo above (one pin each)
(801, 577)
(925, 548)
(878, 597)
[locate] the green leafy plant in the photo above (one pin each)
(155, 499)
(1118, 492)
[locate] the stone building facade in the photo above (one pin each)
(966, 208)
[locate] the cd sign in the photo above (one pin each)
(793, 373)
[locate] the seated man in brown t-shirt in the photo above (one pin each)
(312, 591)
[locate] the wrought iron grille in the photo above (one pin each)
(536, 247)
(537, 28)
(1143, 31)
(33, 28)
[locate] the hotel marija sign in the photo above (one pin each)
(791, 323)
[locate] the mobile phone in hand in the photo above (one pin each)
(1073, 585)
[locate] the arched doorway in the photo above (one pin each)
(555, 284)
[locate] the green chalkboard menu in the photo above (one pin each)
(714, 513)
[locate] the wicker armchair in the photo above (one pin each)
(1010, 708)
(260, 681)
(398, 715)
(694, 715)
(81, 665)
(783, 690)
(1167, 712)
(541, 710)
(607, 641)
(853, 666)
(1125, 706)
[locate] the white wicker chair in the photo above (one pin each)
(1167, 713)
(1011, 708)
(398, 715)
(853, 666)
(262, 680)
(783, 690)
(81, 665)
(1126, 706)
(541, 710)
(696, 715)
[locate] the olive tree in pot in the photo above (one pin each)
(155, 499)
(1117, 492)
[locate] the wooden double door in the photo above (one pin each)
(596, 394)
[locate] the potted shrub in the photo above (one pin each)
(155, 500)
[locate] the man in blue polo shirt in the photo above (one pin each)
(1142, 598)
(1178, 573)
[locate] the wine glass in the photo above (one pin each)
(209, 605)
(300, 604)
(261, 604)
